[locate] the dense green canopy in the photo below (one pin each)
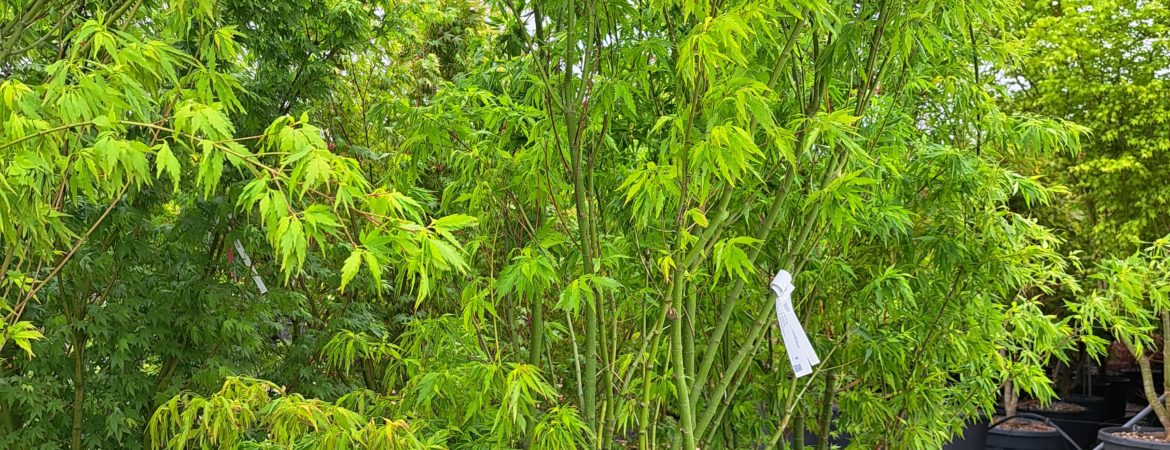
(1104, 65)
(521, 224)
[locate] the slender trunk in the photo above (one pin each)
(537, 346)
(368, 376)
(569, 106)
(1152, 396)
(1164, 419)
(510, 316)
(680, 375)
(78, 342)
(728, 436)
(656, 341)
(827, 409)
(1010, 400)
(7, 261)
(689, 315)
(798, 433)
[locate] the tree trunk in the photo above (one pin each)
(79, 341)
(1165, 379)
(827, 409)
(1152, 395)
(537, 345)
(1010, 399)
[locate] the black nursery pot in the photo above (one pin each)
(1115, 390)
(1080, 426)
(1083, 427)
(1000, 439)
(974, 436)
(1114, 442)
(1135, 379)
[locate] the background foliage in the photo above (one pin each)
(1101, 64)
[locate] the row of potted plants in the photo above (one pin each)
(1123, 314)
(1126, 305)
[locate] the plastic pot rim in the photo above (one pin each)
(1107, 435)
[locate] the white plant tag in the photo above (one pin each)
(248, 262)
(801, 353)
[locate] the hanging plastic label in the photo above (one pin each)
(801, 353)
(248, 262)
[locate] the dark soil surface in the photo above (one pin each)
(1062, 407)
(1019, 424)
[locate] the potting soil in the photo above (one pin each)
(1142, 435)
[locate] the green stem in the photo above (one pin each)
(680, 378)
(789, 405)
(728, 307)
(749, 347)
(7, 262)
(534, 351)
(690, 316)
(78, 341)
(1152, 396)
(14, 142)
(797, 433)
(827, 409)
(656, 339)
(576, 359)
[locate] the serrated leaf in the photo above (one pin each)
(698, 217)
(375, 269)
(350, 269)
(453, 222)
(165, 161)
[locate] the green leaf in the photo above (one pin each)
(453, 222)
(165, 161)
(22, 334)
(698, 217)
(375, 269)
(350, 269)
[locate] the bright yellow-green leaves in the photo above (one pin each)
(583, 292)
(203, 121)
(530, 273)
(444, 190)
(731, 258)
(244, 406)
(730, 150)
(1131, 297)
(649, 190)
(1101, 64)
(165, 161)
(20, 333)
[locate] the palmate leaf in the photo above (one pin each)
(729, 150)
(165, 161)
(320, 221)
(375, 265)
(454, 222)
(530, 273)
(585, 289)
(20, 333)
(351, 266)
(731, 259)
(209, 122)
(291, 244)
(210, 168)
